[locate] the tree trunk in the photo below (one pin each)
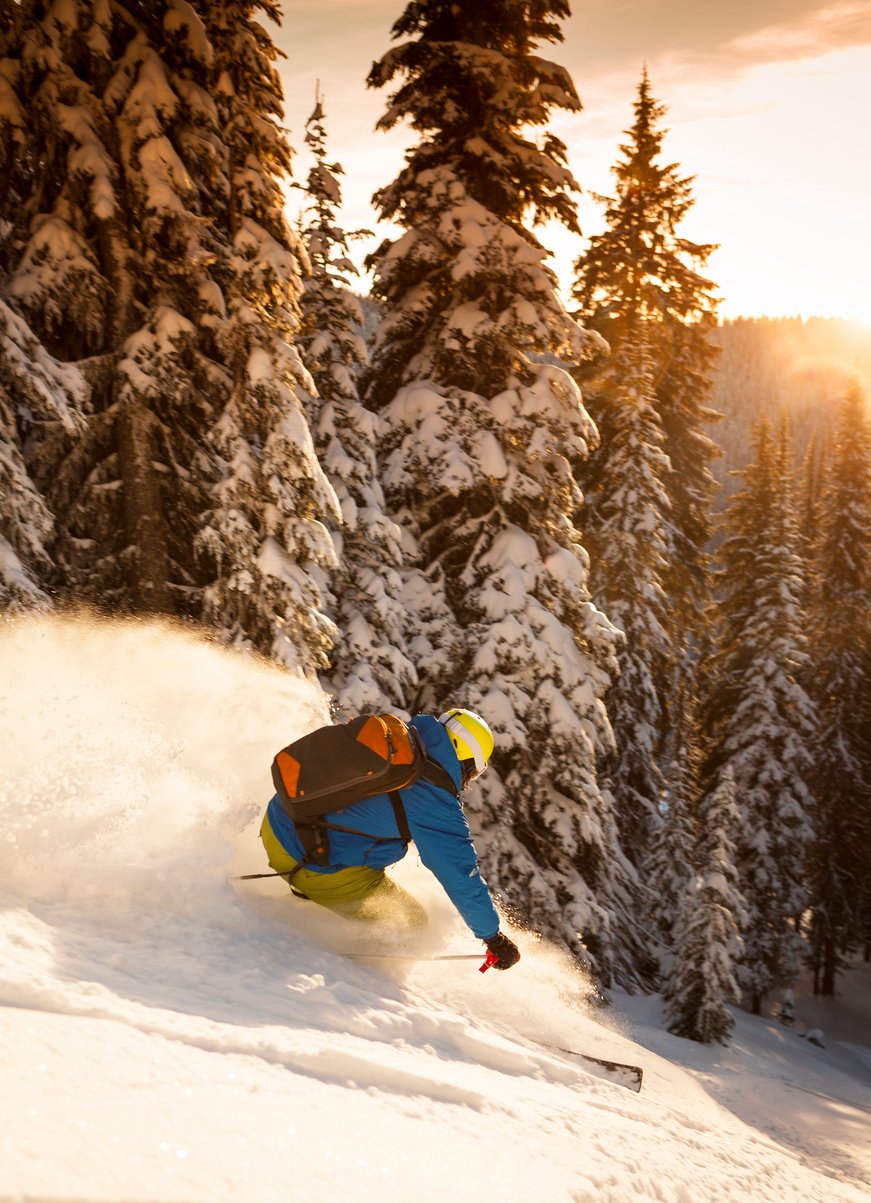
(149, 565)
(829, 967)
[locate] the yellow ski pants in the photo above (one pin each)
(356, 892)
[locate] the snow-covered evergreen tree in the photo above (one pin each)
(480, 437)
(369, 666)
(266, 537)
(37, 393)
(628, 549)
(839, 679)
(758, 718)
(683, 391)
(143, 249)
(672, 863)
(34, 390)
(629, 561)
(104, 175)
(794, 365)
(702, 982)
(810, 500)
(645, 519)
(640, 279)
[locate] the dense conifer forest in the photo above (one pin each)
(637, 539)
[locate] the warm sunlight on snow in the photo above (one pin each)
(532, 560)
(169, 1035)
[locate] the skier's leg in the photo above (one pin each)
(390, 904)
(356, 892)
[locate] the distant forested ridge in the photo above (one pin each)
(798, 367)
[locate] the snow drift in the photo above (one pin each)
(168, 1034)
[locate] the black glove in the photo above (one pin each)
(503, 948)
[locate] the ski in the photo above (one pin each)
(630, 1076)
(490, 959)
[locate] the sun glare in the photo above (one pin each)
(777, 152)
(781, 182)
(783, 187)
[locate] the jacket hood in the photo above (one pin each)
(438, 746)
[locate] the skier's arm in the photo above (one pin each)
(441, 833)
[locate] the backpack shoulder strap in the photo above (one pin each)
(429, 770)
(401, 816)
(436, 775)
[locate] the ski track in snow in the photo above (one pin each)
(169, 1035)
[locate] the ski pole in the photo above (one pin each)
(257, 876)
(489, 960)
(402, 956)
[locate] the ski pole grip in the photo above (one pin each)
(489, 961)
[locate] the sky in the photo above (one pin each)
(168, 1034)
(767, 101)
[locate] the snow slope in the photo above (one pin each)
(170, 1035)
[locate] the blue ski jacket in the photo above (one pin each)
(437, 825)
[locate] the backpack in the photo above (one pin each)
(333, 767)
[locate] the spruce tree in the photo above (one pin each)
(630, 548)
(150, 246)
(35, 391)
(640, 279)
(100, 239)
(810, 503)
(839, 678)
(758, 718)
(265, 537)
(480, 437)
(683, 391)
(369, 666)
(702, 981)
(672, 864)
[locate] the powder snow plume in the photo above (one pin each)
(136, 768)
(133, 755)
(136, 762)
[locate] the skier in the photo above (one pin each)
(354, 883)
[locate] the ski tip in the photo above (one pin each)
(636, 1078)
(630, 1076)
